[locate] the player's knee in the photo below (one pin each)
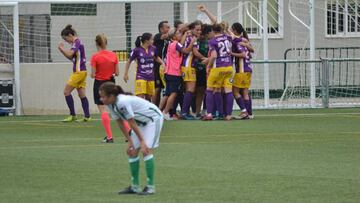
(191, 89)
(132, 152)
(236, 93)
(81, 95)
(67, 92)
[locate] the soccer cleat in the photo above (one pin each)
(187, 117)
(129, 190)
(198, 116)
(244, 115)
(219, 117)
(85, 119)
(251, 116)
(106, 140)
(70, 119)
(148, 190)
(167, 117)
(228, 118)
(208, 117)
(203, 112)
(175, 117)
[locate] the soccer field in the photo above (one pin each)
(280, 156)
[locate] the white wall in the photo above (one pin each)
(42, 88)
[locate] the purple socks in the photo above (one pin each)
(248, 106)
(219, 103)
(240, 102)
(85, 106)
(229, 100)
(209, 101)
(70, 103)
(84, 102)
(187, 102)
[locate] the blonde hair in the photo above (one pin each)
(224, 26)
(101, 40)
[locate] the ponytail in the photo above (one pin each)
(245, 34)
(138, 41)
(68, 30)
(240, 29)
(109, 88)
(142, 39)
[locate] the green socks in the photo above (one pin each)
(134, 170)
(134, 163)
(150, 168)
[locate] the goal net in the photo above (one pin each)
(336, 25)
(44, 69)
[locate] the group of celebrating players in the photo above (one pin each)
(198, 65)
(194, 63)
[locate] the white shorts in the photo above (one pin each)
(151, 133)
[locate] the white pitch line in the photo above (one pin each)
(43, 121)
(256, 115)
(240, 136)
(168, 143)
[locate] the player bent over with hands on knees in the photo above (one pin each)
(146, 121)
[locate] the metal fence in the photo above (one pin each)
(337, 83)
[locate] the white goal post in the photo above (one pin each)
(16, 56)
(287, 65)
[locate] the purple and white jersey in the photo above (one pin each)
(145, 62)
(241, 64)
(222, 45)
(188, 59)
(79, 59)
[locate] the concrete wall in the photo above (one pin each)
(42, 87)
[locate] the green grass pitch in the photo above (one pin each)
(280, 156)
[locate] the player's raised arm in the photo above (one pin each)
(211, 16)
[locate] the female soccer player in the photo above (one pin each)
(146, 121)
(173, 70)
(145, 55)
(77, 79)
(220, 72)
(188, 68)
(105, 66)
(242, 78)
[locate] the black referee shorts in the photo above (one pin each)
(97, 85)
